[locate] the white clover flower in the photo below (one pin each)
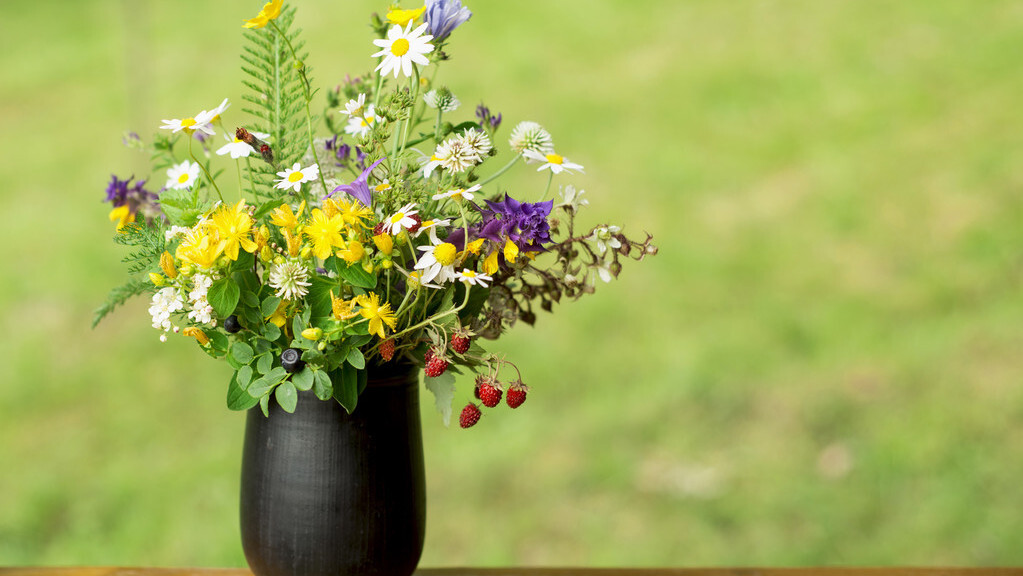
(604, 237)
(477, 141)
(290, 280)
(239, 148)
(556, 163)
(442, 100)
(401, 48)
(456, 156)
(182, 176)
(401, 219)
(295, 176)
(531, 136)
(164, 303)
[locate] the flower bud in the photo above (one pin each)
(266, 254)
(156, 279)
(313, 334)
(167, 265)
(386, 264)
(368, 267)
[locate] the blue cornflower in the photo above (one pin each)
(443, 16)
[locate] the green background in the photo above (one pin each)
(821, 366)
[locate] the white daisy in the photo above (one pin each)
(430, 227)
(296, 176)
(459, 194)
(556, 163)
(415, 280)
(473, 278)
(431, 164)
(290, 280)
(605, 238)
(531, 136)
(360, 125)
(401, 219)
(200, 122)
(182, 176)
(355, 107)
(438, 262)
(403, 47)
(238, 148)
(216, 112)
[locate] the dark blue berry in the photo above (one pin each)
(291, 360)
(231, 324)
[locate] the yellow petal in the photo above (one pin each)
(511, 251)
(490, 264)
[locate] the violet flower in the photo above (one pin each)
(121, 192)
(486, 118)
(443, 16)
(523, 223)
(359, 188)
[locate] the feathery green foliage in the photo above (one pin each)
(149, 244)
(276, 95)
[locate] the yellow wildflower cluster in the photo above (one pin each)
(222, 233)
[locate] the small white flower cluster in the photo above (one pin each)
(201, 311)
(459, 153)
(360, 117)
(175, 231)
(165, 302)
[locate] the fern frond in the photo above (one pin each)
(120, 295)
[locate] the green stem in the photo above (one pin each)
(547, 190)
(204, 170)
(411, 112)
(501, 171)
(437, 316)
(238, 167)
(436, 129)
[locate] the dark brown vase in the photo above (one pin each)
(326, 493)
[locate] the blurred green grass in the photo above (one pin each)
(821, 366)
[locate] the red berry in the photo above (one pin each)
(490, 395)
(436, 366)
(415, 227)
(378, 229)
(387, 349)
(429, 354)
(460, 343)
(516, 395)
(470, 416)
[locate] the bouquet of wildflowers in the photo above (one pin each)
(304, 260)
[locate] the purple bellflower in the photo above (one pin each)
(443, 16)
(359, 188)
(523, 223)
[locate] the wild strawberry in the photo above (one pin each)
(378, 229)
(387, 349)
(489, 394)
(460, 343)
(415, 227)
(470, 416)
(429, 354)
(436, 366)
(516, 394)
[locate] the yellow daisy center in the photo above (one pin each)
(399, 47)
(555, 158)
(188, 122)
(445, 253)
(295, 176)
(397, 217)
(382, 186)
(183, 178)
(468, 274)
(236, 140)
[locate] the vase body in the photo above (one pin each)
(327, 493)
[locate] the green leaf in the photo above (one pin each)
(182, 207)
(264, 363)
(303, 380)
(443, 388)
(223, 295)
(322, 386)
(260, 386)
(287, 397)
(271, 332)
(245, 261)
(243, 376)
(264, 405)
(269, 305)
(242, 353)
(356, 359)
(297, 326)
(363, 380)
(218, 343)
(237, 398)
(346, 387)
(356, 275)
(319, 296)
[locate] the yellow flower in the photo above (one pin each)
(474, 246)
(353, 213)
(403, 17)
(167, 265)
(325, 233)
(511, 251)
(384, 243)
(283, 217)
(234, 225)
(261, 237)
(353, 253)
(122, 215)
(294, 242)
(200, 248)
(343, 309)
(378, 314)
(270, 11)
(490, 264)
(278, 317)
(198, 334)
